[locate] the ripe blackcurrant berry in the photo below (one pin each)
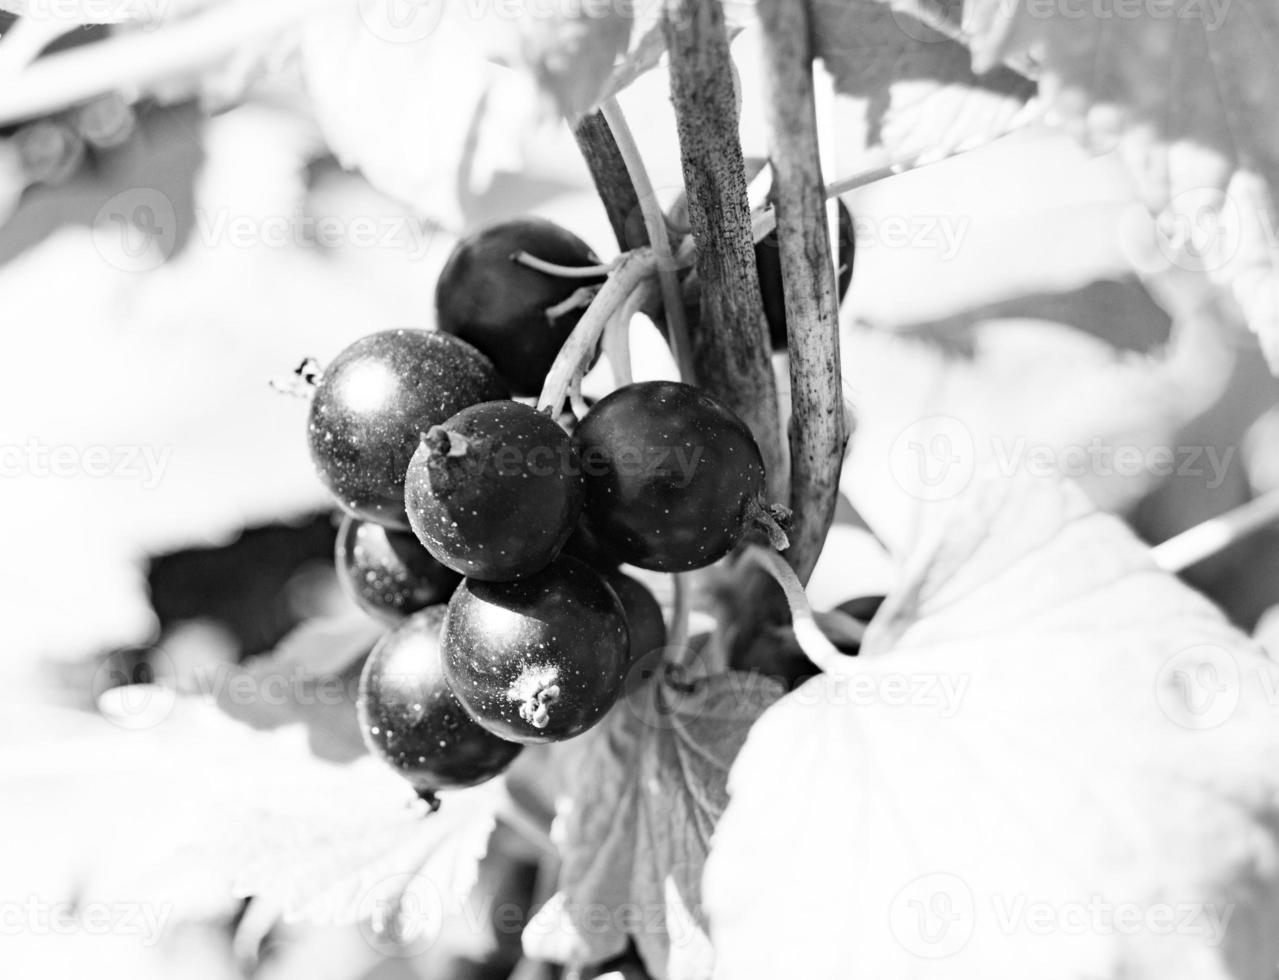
(539, 659)
(372, 405)
(388, 573)
(495, 491)
(584, 545)
(672, 478)
(488, 299)
(411, 719)
(768, 262)
(644, 620)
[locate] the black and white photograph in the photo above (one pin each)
(639, 489)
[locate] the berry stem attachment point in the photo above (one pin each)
(772, 519)
(824, 654)
(633, 272)
(444, 443)
(562, 271)
(428, 797)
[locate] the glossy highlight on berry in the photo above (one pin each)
(373, 402)
(495, 491)
(388, 573)
(671, 476)
(412, 721)
(488, 299)
(541, 658)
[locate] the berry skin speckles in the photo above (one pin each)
(371, 405)
(671, 476)
(388, 573)
(488, 299)
(495, 491)
(539, 659)
(411, 719)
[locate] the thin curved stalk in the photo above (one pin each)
(655, 226)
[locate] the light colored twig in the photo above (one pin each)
(1202, 541)
(824, 654)
(655, 225)
(634, 271)
(562, 271)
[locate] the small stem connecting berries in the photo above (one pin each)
(824, 654)
(634, 271)
(578, 299)
(563, 271)
(772, 519)
(1216, 534)
(655, 226)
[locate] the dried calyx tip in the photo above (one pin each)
(309, 371)
(428, 797)
(442, 442)
(773, 519)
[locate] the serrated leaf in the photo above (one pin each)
(1040, 723)
(1024, 395)
(908, 88)
(1188, 92)
(254, 813)
(643, 793)
(420, 109)
(201, 446)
